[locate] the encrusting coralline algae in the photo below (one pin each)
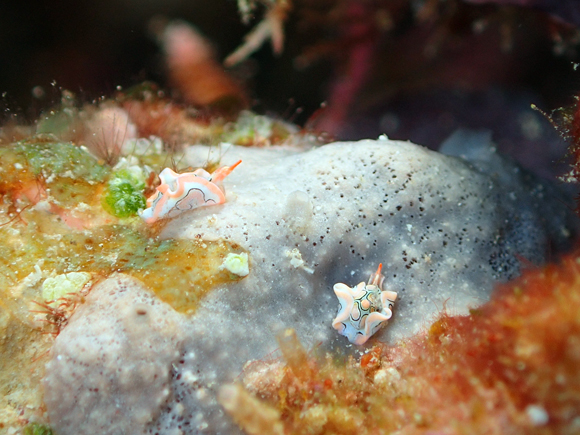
(444, 231)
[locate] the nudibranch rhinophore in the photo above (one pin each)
(363, 308)
(182, 192)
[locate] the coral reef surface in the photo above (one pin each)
(445, 230)
(510, 367)
(110, 370)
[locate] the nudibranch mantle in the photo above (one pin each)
(182, 192)
(363, 308)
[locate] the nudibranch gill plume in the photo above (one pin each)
(363, 309)
(182, 192)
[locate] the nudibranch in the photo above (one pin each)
(363, 309)
(182, 192)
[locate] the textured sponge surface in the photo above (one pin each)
(444, 229)
(110, 370)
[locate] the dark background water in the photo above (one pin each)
(474, 66)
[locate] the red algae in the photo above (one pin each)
(511, 366)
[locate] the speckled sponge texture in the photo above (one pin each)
(445, 230)
(109, 373)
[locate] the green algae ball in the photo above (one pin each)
(37, 429)
(124, 194)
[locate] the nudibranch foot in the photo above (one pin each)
(182, 192)
(364, 308)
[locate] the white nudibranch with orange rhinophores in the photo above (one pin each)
(182, 192)
(363, 308)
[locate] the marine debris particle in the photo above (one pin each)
(511, 366)
(236, 264)
(54, 288)
(296, 260)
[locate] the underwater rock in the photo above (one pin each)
(445, 230)
(110, 370)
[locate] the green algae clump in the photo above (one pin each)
(37, 429)
(123, 195)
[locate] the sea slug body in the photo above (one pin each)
(182, 192)
(363, 309)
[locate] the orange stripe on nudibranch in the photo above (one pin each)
(182, 192)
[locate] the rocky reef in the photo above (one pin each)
(447, 230)
(508, 367)
(174, 263)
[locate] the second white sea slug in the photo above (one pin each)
(182, 192)
(363, 309)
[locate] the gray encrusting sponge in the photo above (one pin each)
(446, 230)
